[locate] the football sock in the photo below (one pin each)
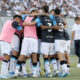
(18, 66)
(24, 67)
(34, 67)
(47, 65)
(58, 65)
(13, 62)
(63, 65)
(38, 67)
(54, 63)
(31, 67)
(4, 67)
(68, 67)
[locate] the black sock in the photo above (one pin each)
(38, 57)
(23, 62)
(19, 63)
(6, 61)
(14, 57)
(62, 62)
(34, 64)
(46, 59)
(68, 66)
(52, 58)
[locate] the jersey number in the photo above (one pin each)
(49, 24)
(60, 24)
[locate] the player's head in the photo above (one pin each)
(77, 20)
(17, 18)
(52, 12)
(45, 9)
(34, 10)
(57, 11)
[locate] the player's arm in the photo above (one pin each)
(39, 14)
(29, 23)
(44, 27)
(73, 33)
(36, 21)
(24, 12)
(59, 27)
(72, 36)
(55, 26)
(65, 24)
(17, 26)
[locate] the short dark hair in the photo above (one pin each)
(57, 11)
(51, 10)
(45, 8)
(77, 18)
(33, 11)
(17, 16)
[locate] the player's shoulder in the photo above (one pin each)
(8, 22)
(74, 25)
(52, 17)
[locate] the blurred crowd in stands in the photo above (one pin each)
(68, 7)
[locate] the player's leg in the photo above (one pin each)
(58, 63)
(38, 56)
(5, 50)
(38, 59)
(79, 54)
(31, 67)
(19, 64)
(67, 57)
(60, 53)
(67, 54)
(24, 52)
(38, 62)
(24, 73)
(76, 45)
(45, 52)
(34, 50)
(15, 52)
(52, 57)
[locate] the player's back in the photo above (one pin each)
(59, 34)
(47, 35)
(30, 31)
(7, 31)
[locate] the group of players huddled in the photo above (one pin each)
(30, 35)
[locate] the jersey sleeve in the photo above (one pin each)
(16, 26)
(38, 21)
(24, 17)
(53, 19)
(54, 23)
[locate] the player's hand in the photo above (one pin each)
(24, 24)
(71, 42)
(22, 31)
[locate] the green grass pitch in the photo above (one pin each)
(75, 72)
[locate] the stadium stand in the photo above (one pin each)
(10, 7)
